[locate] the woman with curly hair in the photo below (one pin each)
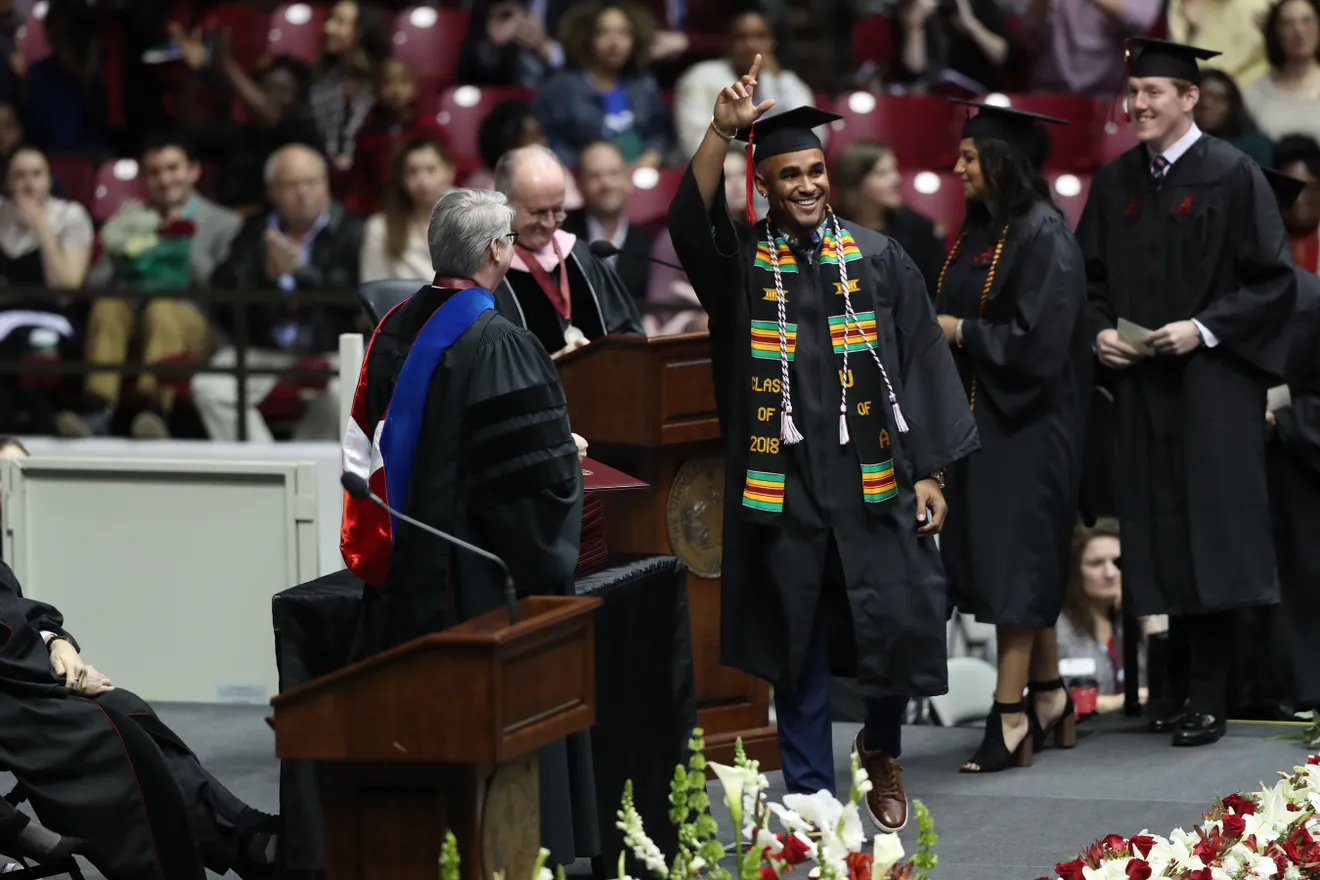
(607, 92)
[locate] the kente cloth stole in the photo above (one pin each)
(865, 387)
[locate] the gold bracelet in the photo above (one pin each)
(715, 128)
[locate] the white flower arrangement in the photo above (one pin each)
(1269, 835)
(816, 827)
(133, 230)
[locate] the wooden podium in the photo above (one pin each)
(647, 407)
(441, 734)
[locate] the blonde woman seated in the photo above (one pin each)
(1090, 626)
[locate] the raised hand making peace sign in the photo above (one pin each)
(734, 108)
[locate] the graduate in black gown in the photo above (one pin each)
(556, 287)
(1012, 303)
(459, 420)
(840, 407)
(1292, 458)
(1182, 238)
(96, 763)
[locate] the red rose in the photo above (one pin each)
(1142, 845)
(1234, 826)
(859, 865)
(795, 850)
(1114, 843)
(1240, 805)
(181, 228)
(1201, 874)
(1314, 759)
(1070, 870)
(1294, 808)
(1138, 869)
(768, 873)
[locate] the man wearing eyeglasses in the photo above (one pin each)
(556, 287)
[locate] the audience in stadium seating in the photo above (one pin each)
(606, 90)
(354, 44)
(509, 43)
(394, 243)
(395, 120)
(1079, 44)
(750, 34)
(275, 102)
(960, 46)
(606, 182)
(1286, 100)
(307, 242)
(172, 241)
(66, 98)
(1233, 29)
(867, 180)
(1222, 113)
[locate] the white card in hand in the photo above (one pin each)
(1135, 335)
(1277, 398)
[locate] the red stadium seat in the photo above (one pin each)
(1073, 143)
(460, 110)
(871, 41)
(1112, 139)
(653, 190)
(429, 41)
(32, 34)
(249, 30)
(76, 175)
(938, 195)
(117, 181)
(1070, 191)
(921, 129)
(296, 29)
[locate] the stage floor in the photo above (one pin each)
(1008, 826)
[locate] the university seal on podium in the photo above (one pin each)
(694, 514)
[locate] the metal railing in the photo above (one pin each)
(204, 298)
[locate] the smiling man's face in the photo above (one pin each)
(797, 186)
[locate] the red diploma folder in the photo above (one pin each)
(597, 477)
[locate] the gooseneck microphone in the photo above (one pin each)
(604, 249)
(358, 488)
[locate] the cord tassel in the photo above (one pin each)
(899, 422)
(843, 426)
(788, 431)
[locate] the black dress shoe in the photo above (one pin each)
(1199, 729)
(1167, 718)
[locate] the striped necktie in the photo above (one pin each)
(1158, 167)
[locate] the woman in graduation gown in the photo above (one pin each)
(1011, 298)
(1292, 466)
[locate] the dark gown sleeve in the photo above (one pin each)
(525, 483)
(934, 403)
(1016, 360)
(15, 610)
(1091, 236)
(1250, 320)
(1298, 424)
(708, 248)
(621, 315)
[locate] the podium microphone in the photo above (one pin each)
(606, 249)
(358, 488)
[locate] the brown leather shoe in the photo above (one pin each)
(886, 802)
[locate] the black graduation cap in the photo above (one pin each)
(1151, 57)
(1286, 188)
(786, 132)
(1020, 129)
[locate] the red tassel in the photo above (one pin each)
(1122, 83)
(751, 175)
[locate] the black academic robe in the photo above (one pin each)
(497, 466)
(888, 628)
(632, 265)
(600, 304)
(1293, 459)
(924, 240)
(1206, 244)
(106, 768)
(1013, 503)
